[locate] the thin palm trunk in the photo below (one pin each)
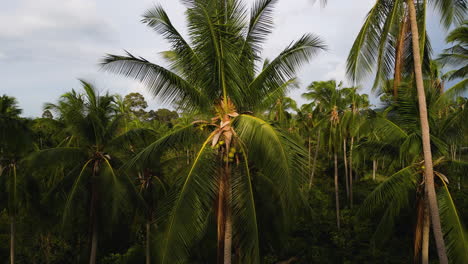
(12, 239)
(94, 217)
(148, 239)
(351, 172)
(425, 234)
(374, 168)
(149, 220)
(399, 57)
(228, 226)
(221, 223)
(426, 142)
(310, 154)
(337, 200)
(346, 167)
(94, 236)
(314, 165)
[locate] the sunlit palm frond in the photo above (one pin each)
(362, 56)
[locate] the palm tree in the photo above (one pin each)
(15, 143)
(372, 40)
(279, 111)
(92, 124)
(398, 139)
(215, 73)
(151, 178)
(308, 118)
(353, 118)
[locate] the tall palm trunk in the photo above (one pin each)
(431, 194)
(310, 154)
(221, 219)
(93, 216)
(149, 220)
(314, 165)
(94, 242)
(425, 234)
(12, 239)
(228, 210)
(148, 239)
(337, 200)
(224, 218)
(346, 167)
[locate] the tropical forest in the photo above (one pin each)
(230, 168)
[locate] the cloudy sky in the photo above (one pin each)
(47, 45)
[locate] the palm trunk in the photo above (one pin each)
(337, 200)
(351, 172)
(315, 160)
(149, 220)
(399, 58)
(12, 239)
(374, 168)
(148, 240)
(426, 142)
(221, 219)
(346, 167)
(94, 242)
(93, 216)
(425, 235)
(228, 226)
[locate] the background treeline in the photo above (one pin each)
(44, 197)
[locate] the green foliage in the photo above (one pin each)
(149, 182)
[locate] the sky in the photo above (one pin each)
(46, 46)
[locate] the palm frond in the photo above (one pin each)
(362, 57)
(244, 212)
(260, 26)
(191, 206)
(284, 66)
(396, 190)
(451, 11)
(273, 153)
(71, 195)
(184, 56)
(161, 82)
(179, 136)
(60, 156)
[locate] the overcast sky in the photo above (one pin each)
(47, 45)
